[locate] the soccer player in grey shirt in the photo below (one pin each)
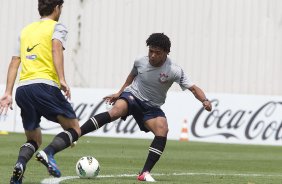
(142, 94)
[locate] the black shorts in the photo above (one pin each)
(140, 111)
(36, 100)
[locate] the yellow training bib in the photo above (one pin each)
(36, 52)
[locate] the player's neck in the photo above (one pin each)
(51, 16)
(160, 63)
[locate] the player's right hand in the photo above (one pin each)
(111, 98)
(5, 103)
(66, 89)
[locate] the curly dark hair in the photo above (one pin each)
(159, 40)
(46, 7)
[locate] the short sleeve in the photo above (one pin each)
(182, 79)
(134, 70)
(17, 51)
(60, 33)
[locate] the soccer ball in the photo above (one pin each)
(87, 167)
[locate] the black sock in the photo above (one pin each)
(95, 123)
(155, 152)
(61, 141)
(26, 151)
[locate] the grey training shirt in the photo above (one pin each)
(152, 83)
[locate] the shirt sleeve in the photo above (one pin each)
(182, 79)
(134, 70)
(17, 51)
(60, 33)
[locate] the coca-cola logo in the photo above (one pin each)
(249, 124)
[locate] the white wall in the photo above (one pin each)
(229, 46)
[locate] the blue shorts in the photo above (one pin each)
(36, 100)
(140, 111)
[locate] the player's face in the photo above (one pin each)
(157, 56)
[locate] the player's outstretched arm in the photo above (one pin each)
(6, 101)
(200, 95)
(112, 98)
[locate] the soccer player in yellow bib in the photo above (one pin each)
(40, 54)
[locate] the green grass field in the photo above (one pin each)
(182, 162)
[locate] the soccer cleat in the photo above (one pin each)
(49, 162)
(17, 174)
(145, 176)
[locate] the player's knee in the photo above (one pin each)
(162, 130)
(164, 127)
(165, 131)
(115, 113)
(119, 109)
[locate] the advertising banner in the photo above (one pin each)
(242, 119)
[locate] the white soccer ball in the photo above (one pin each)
(87, 167)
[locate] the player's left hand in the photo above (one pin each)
(66, 89)
(5, 103)
(207, 105)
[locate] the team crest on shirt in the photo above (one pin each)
(163, 78)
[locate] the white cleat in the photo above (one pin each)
(145, 176)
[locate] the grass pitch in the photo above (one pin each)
(181, 162)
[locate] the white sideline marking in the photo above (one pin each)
(58, 180)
